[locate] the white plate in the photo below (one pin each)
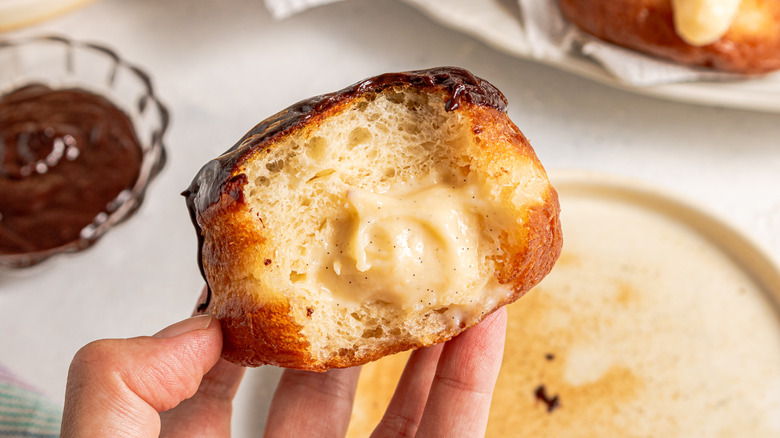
(657, 320)
(492, 22)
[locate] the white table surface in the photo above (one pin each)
(223, 65)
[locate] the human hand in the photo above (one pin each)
(444, 391)
(171, 384)
(174, 384)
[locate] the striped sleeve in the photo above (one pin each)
(26, 413)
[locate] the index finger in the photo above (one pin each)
(311, 404)
(462, 389)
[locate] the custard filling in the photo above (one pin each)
(702, 22)
(414, 246)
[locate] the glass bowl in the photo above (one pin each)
(60, 62)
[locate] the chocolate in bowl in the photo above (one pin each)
(80, 140)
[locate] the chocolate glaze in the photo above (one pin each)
(552, 403)
(211, 181)
(65, 156)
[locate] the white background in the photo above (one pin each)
(223, 65)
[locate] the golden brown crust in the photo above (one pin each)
(543, 235)
(268, 328)
(751, 45)
(235, 252)
(227, 250)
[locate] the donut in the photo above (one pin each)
(735, 36)
(390, 215)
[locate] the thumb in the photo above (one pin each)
(117, 387)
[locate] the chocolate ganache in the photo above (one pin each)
(216, 178)
(66, 155)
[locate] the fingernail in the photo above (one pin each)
(199, 322)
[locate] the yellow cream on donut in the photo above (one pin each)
(702, 22)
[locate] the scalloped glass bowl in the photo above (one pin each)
(60, 62)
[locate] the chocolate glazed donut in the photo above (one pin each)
(211, 182)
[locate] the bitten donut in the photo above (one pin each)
(390, 215)
(738, 36)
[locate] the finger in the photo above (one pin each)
(208, 412)
(408, 403)
(116, 387)
(459, 400)
(308, 404)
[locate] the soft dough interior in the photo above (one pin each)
(306, 192)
